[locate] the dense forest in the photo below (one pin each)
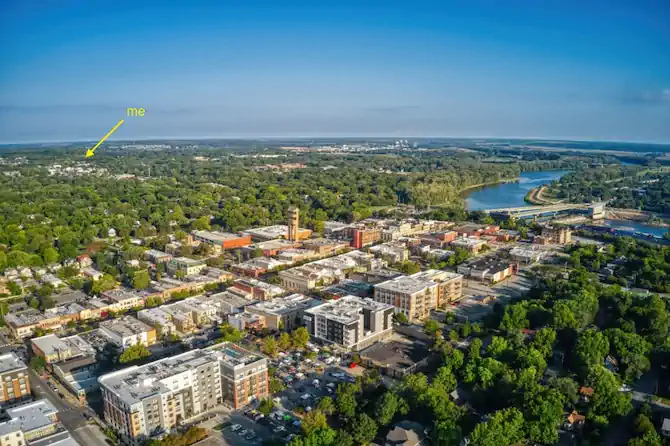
(50, 212)
(633, 187)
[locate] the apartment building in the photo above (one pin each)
(14, 379)
(450, 285)
(230, 301)
(33, 423)
(189, 314)
(560, 235)
(244, 375)
(185, 266)
(222, 240)
(413, 296)
(361, 237)
(142, 401)
(127, 331)
(350, 322)
(283, 312)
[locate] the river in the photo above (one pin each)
(505, 195)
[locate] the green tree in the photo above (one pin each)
(230, 333)
(326, 405)
(141, 280)
(387, 406)
(606, 400)
(363, 429)
(591, 348)
(276, 385)
(431, 326)
(401, 318)
(269, 346)
(50, 255)
(504, 427)
(134, 353)
(345, 400)
(201, 224)
(313, 421)
(266, 406)
(105, 283)
(300, 338)
(284, 343)
(38, 364)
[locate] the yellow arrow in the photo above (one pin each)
(91, 152)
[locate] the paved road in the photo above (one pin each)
(72, 417)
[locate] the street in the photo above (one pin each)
(71, 417)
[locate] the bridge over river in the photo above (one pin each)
(594, 211)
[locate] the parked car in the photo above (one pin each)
(235, 427)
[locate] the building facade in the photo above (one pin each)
(414, 297)
(15, 380)
(350, 322)
(143, 401)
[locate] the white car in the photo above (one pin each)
(235, 427)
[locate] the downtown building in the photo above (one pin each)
(350, 322)
(145, 401)
(415, 297)
(15, 383)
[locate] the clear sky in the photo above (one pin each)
(572, 69)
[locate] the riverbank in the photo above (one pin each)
(536, 197)
(490, 183)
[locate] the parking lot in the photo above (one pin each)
(306, 380)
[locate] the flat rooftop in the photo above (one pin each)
(347, 309)
(10, 362)
(399, 355)
(216, 236)
(188, 261)
(28, 417)
(134, 384)
(125, 326)
(436, 275)
(406, 284)
(288, 304)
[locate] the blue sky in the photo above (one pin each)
(543, 69)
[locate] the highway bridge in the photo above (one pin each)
(531, 212)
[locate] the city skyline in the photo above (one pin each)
(562, 70)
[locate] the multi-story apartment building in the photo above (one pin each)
(142, 401)
(126, 331)
(283, 312)
(350, 322)
(123, 299)
(14, 379)
(185, 266)
(560, 235)
(450, 285)
(361, 237)
(413, 296)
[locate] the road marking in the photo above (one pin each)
(91, 152)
